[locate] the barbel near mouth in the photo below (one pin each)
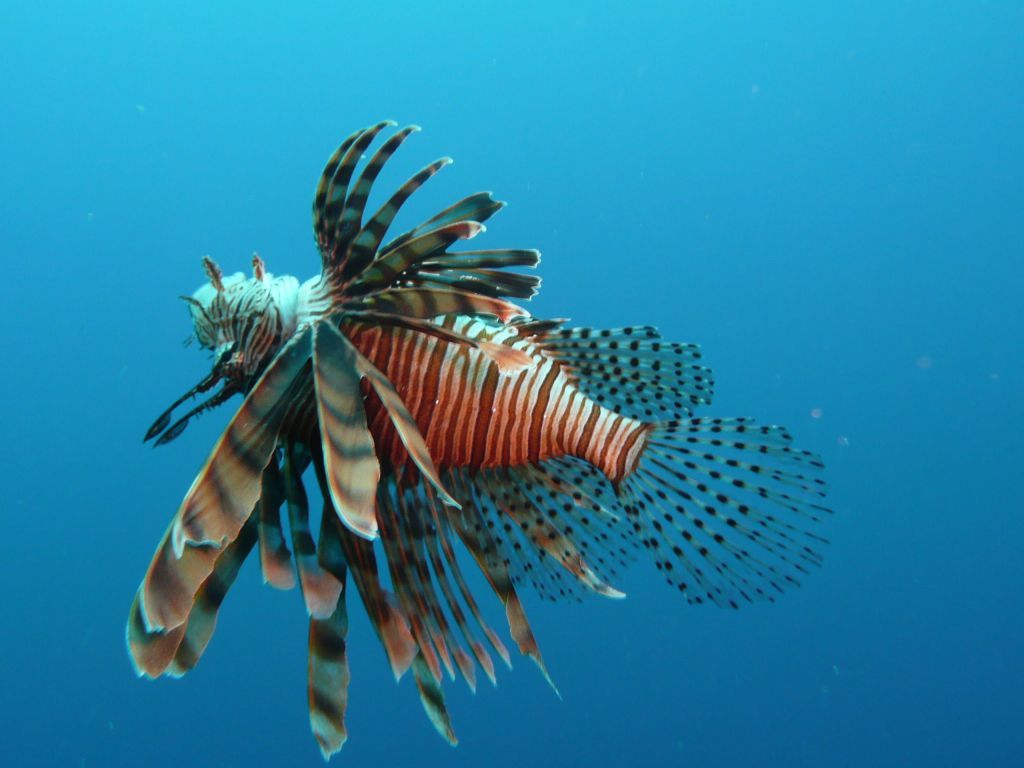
(206, 384)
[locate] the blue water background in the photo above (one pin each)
(826, 195)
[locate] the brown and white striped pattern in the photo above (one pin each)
(348, 449)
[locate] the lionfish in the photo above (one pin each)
(434, 411)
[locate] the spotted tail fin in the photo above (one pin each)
(727, 508)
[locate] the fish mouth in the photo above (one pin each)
(164, 431)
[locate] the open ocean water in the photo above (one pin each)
(828, 196)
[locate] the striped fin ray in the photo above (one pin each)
(228, 480)
(275, 557)
(410, 580)
(726, 521)
(477, 207)
(151, 651)
(320, 223)
(348, 449)
(488, 282)
(383, 272)
(432, 698)
(415, 576)
(328, 209)
(203, 618)
(328, 673)
(501, 258)
(225, 492)
(364, 245)
(505, 356)
(174, 651)
(441, 545)
(319, 587)
(352, 215)
(440, 573)
(342, 418)
(415, 506)
(566, 544)
(477, 538)
(387, 620)
(432, 302)
(328, 679)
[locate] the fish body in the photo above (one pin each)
(434, 413)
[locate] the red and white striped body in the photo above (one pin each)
(472, 413)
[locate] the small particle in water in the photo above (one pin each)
(140, 108)
(843, 440)
(88, 216)
(816, 413)
(924, 362)
(755, 89)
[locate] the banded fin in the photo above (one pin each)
(441, 545)
(328, 680)
(355, 202)
(225, 492)
(328, 674)
(388, 622)
(487, 282)
(477, 207)
(329, 200)
(155, 652)
(432, 698)
(386, 268)
(350, 461)
(202, 620)
(491, 558)
(551, 539)
(366, 243)
(431, 302)
(320, 588)
(151, 650)
(275, 557)
(320, 222)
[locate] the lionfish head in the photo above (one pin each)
(243, 322)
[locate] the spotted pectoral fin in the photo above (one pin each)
(349, 459)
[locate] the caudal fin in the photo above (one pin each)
(727, 507)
